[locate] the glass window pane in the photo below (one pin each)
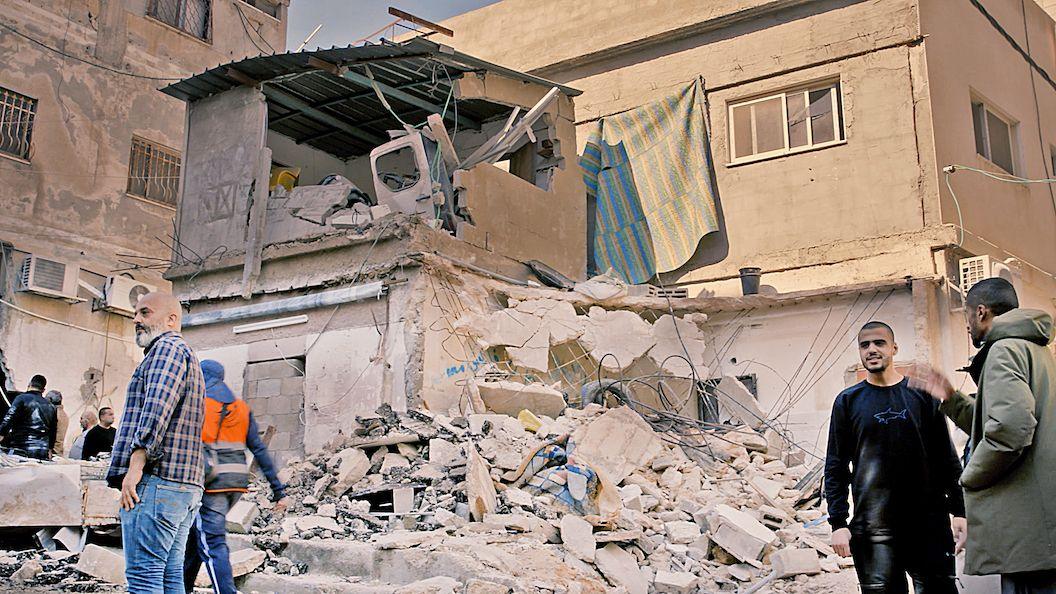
(1000, 142)
(821, 120)
(742, 130)
(978, 117)
(769, 125)
(797, 119)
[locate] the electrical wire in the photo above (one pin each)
(88, 62)
(246, 27)
(61, 323)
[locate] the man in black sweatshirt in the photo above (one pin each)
(903, 478)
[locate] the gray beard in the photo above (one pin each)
(143, 339)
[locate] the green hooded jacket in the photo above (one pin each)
(1010, 479)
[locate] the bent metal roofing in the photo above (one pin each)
(325, 98)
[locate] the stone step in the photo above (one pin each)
(263, 583)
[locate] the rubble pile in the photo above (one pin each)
(606, 500)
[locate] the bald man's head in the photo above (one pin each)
(156, 313)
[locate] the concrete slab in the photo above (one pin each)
(40, 495)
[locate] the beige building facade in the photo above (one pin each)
(90, 161)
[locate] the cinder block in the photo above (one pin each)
(249, 390)
(290, 423)
(102, 562)
(267, 388)
(280, 441)
(275, 349)
(274, 370)
(792, 562)
(241, 516)
(292, 386)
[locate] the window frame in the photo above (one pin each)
(278, 8)
(988, 109)
(151, 13)
(34, 104)
(131, 161)
(839, 132)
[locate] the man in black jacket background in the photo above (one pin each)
(903, 478)
(28, 428)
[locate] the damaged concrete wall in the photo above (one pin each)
(67, 201)
(225, 134)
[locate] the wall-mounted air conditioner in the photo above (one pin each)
(120, 294)
(979, 268)
(50, 278)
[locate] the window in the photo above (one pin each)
(189, 16)
(153, 172)
(786, 122)
(266, 6)
(993, 136)
(708, 403)
(16, 123)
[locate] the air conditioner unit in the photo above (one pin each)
(50, 278)
(979, 268)
(120, 294)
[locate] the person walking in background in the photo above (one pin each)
(62, 421)
(28, 427)
(1010, 477)
(229, 430)
(88, 420)
(157, 459)
(890, 445)
(100, 438)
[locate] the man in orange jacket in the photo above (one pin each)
(228, 431)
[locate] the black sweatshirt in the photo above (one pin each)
(904, 469)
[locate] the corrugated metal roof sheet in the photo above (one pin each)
(338, 111)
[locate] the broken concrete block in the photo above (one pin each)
(380, 211)
(101, 504)
(393, 461)
(674, 338)
(448, 519)
(306, 523)
(29, 570)
(682, 532)
(741, 572)
(671, 479)
(246, 561)
(445, 453)
(480, 489)
(407, 450)
(681, 582)
(736, 402)
(475, 586)
(617, 338)
(618, 443)
(621, 569)
(516, 496)
(511, 522)
(402, 500)
(241, 516)
(769, 489)
(510, 398)
(352, 466)
(328, 510)
(54, 489)
(534, 354)
(578, 536)
(433, 585)
(739, 534)
(104, 563)
(791, 562)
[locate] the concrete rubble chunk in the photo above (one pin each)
(352, 466)
(793, 562)
(578, 537)
(55, 490)
(618, 442)
(434, 585)
(739, 534)
(104, 563)
(445, 453)
(246, 561)
(682, 582)
(674, 338)
(392, 462)
(477, 586)
(29, 571)
(682, 532)
(736, 402)
(306, 523)
(617, 338)
(510, 398)
(449, 519)
(559, 318)
(241, 516)
(671, 479)
(480, 489)
(621, 569)
(402, 500)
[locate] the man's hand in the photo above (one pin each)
(129, 497)
(841, 542)
(280, 506)
(930, 380)
(960, 533)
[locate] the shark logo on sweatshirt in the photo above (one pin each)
(889, 415)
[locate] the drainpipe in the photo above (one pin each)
(282, 306)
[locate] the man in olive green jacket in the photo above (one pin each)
(1010, 478)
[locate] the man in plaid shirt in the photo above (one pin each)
(157, 460)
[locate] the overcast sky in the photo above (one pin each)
(345, 21)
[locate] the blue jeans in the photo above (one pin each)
(208, 544)
(154, 535)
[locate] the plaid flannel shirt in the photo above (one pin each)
(163, 415)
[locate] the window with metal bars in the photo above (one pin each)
(266, 6)
(154, 172)
(16, 123)
(190, 16)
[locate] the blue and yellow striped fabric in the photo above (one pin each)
(650, 172)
